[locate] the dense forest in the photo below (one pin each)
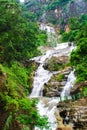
(19, 39)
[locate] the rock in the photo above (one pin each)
(32, 62)
(63, 83)
(74, 8)
(56, 84)
(56, 63)
(58, 118)
(79, 87)
(64, 128)
(61, 126)
(76, 111)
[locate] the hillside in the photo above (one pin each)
(34, 69)
(57, 12)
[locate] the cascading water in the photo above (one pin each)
(47, 106)
(48, 110)
(69, 85)
(41, 77)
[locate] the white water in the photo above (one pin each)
(42, 76)
(48, 110)
(70, 82)
(47, 106)
(47, 28)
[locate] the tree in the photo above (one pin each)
(18, 36)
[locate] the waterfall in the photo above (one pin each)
(70, 82)
(41, 77)
(48, 110)
(47, 106)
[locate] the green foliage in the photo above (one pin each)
(1, 69)
(37, 10)
(60, 77)
(21, 74)
(41, 122)
(19, 39)
(75, 25)
(13, 100)
(53, 5)
(53, 66)
(57, 3)
(8, 122)
(19, 36)
(65, 37)
(32, 117)
(78, 56)
(78, 34)
(85, 89)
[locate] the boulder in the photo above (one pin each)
(56, 63)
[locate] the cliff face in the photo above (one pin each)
(75, 113)
(57, 13)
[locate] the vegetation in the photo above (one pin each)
(18, 36)
(78, 34)
(60, 77)
(19, 40)
(57, 3)
(75, 24)
(37, 9)
(54, 64)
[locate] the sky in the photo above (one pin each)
(21, 0)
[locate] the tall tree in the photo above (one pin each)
(18, 36)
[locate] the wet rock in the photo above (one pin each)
(63, 83)
(56, 63)
(76, 111)
(32, 62)
(56, 83)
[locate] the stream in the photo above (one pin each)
(47, 106)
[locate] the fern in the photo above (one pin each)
(8, 122)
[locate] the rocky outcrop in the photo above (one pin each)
(75, 113)
(57, 82)
(61, 125)
(78, 88)
(59, 14)
(56, 63)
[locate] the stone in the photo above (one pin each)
(64, 128)
(54, 85)
(78, 87)
(76, 111)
